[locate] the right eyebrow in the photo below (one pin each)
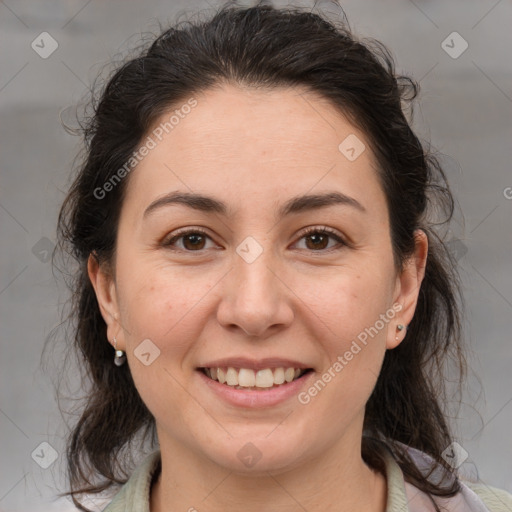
(195, 201)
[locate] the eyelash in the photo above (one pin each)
(309, 231)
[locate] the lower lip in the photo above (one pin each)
(254, 399)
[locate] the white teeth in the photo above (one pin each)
(289, 374)
(247, 378)
(279, 375)
(264, 378)
(232, 377)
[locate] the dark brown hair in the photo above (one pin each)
(266, 47)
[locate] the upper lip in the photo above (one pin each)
(254, 364)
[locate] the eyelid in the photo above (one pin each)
(333, 233)
(340, 239)
(183, 232)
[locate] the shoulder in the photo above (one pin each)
(496, 500)
(134, 496)
(473, 496)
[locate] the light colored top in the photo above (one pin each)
(134, 496)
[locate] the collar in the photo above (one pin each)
(134, 496)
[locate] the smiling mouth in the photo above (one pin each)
(248, 379)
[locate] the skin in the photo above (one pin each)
(301, 298)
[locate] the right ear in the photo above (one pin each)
(104, 286)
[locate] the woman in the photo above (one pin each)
(261, 294)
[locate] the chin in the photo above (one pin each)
(257, 455)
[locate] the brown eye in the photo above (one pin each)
(193, 240)
(318, 239)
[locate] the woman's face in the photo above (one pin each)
(252, 290)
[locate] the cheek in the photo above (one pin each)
(161, 323)
(358, 320)
(163, 305)
(358, 311)
(352, 302)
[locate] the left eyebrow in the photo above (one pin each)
(294, 205)
(310, 202)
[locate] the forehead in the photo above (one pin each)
(284, 122)
(250, 140)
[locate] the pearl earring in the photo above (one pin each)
(120, 356)
(399, 327)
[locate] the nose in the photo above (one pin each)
(255, 297)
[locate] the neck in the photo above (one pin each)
(337, 480)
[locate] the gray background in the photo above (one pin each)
(465, 109)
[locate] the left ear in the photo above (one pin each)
(407, 289)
